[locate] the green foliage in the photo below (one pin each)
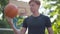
(56, 23)
(3, 22)
(3, 3)
(19, 22)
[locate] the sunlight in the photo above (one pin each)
(1, 16)
(24, 0)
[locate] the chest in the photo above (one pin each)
(36, 22)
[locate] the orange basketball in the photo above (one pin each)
(11, 10)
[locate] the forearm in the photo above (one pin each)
(10, 22)
(50, 31)
(16, 31)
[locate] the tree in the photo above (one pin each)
(54, 4)
(3, 22)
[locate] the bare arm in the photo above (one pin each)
(10, 21)
(50, 31)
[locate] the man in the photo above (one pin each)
(36, 23)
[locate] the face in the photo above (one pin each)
(34, 7)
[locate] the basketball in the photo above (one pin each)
(11, 10)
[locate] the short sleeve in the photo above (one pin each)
(48, 22)
(24, 23)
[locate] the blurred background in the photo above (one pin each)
(50, 8)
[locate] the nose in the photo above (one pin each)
(31, 6)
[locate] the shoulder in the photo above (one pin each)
(45, 17)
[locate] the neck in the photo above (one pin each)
(36, 13)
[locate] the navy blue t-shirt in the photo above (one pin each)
(36, 25)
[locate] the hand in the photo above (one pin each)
(10, 20)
